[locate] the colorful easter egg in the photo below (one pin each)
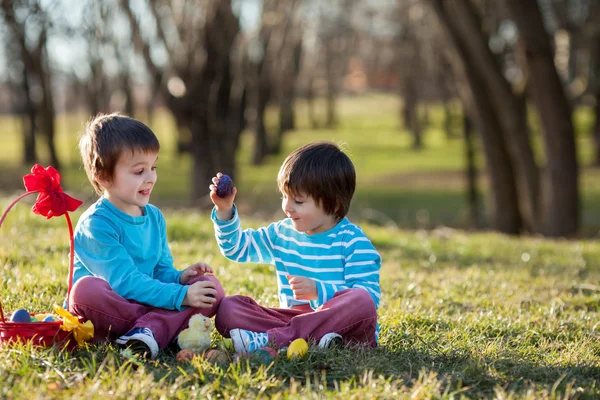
(49, 318)
(21, 315)
(274, 353)
(215, 356)
(225, 186)
(298, 348)
(184, 355)
(263, 356)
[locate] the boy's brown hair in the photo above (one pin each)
(323, 171)
(105, 138)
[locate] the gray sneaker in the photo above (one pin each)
(331, 340)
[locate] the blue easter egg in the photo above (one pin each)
(21, 315)
(225, 186)
(263, 356)
(49, 318)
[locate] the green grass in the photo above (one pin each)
(474, 315)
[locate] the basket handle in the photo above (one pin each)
(71, 246)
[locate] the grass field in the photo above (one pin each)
(396, 185)
(475, 315)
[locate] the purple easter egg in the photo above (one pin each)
(225, 186)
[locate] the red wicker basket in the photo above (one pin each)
(52, 201)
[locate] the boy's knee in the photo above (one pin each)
(85, 290)
(228, 306)
(218, 287)
(363, 302)
(227, 314)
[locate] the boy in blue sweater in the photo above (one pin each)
(124, 279)
(327, 270)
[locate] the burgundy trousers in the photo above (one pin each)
(350, 313)
(113, 315)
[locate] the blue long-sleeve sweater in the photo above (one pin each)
(340, 258)
(130, 253)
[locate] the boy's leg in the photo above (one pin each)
(166, 324)
(242, 312)
(113, 315)
(350, 313)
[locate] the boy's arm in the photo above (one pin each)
(98, 247)
(247, 245)
(361, 269)
(164, 270)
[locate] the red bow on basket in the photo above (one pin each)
(52, 201)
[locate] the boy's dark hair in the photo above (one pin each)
(324, 172)
(105, 138)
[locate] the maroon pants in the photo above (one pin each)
(350, 313)
(113, 315)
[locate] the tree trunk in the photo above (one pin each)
(261, 145)
(287, 118)
(28, 124)
(463, 16)
(504, 207)
(410, 113)
(472, 196)
(36, 66)
(47, 106)
(128, 92)
(331, 85)
(310, 103)
(262, 88)
(212, 107)
(594, 77)
(561, 211)
(597, 127)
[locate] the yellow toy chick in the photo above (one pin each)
(197, 336)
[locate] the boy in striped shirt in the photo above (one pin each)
(327, 269)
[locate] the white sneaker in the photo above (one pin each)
(247, 341)
(140, 341)
(331, 340)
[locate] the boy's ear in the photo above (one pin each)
(104, 182)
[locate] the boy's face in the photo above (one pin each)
(306, 215)
(133, 180)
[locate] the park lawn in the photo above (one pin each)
(396, 185)
(462, 314)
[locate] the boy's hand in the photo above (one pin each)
(199, 295)
(224, 205)
(303, 288)
(193, 271)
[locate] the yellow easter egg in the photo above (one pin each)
(297, 348)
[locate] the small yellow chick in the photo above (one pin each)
(197, 336)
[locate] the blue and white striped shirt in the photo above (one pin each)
(340, 258)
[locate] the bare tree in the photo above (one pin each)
(507, 106)
(476, 98)
(199, 81)
(338, 41)
(33, 53)
(561, 189)
(273, 76)
(411, 43)
(22, 102)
